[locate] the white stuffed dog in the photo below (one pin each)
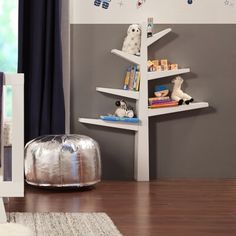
(132, 42)
(177, 94)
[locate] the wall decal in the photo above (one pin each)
(140, 3)
(121, 3)
(103, 3)
(229, 3)
(163, 11)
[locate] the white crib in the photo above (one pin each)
(14, 188)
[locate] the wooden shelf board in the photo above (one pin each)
(168, 110)
(157, 36)
(118, 125)
(127, 56)
(167, 73)
(119, 92)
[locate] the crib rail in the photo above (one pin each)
(15, 188)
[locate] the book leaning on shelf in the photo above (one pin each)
(132, 78)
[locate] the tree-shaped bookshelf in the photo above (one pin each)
(141, 160)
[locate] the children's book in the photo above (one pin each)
(127, 78)
(136, 80)
(170, 104)
(132, 77)
(119, 119)
(159, 98)
(160, 102)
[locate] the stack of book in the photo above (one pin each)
(159, 102)
(132, 78)
(120, 119)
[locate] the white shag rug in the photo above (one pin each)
(59, 224)
(12, 229)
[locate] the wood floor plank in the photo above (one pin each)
(165, 208)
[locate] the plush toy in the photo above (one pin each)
(177, 94)
(123, 110)
(161, 91)
(132, 42)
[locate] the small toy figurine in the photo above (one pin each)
(161, 91)
(177, 94)
(123, 110)
(132, 42)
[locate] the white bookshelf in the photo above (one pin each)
(119, 92)
(168, 110)
(157, 36)
(141, 160)
(128, 57)
(167, 73)
(112, 124)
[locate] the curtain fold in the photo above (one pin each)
(40, 59)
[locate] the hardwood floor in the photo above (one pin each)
(163, 208)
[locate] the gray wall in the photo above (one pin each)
(194, 144)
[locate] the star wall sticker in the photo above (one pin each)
(229, 3)
(121, 3)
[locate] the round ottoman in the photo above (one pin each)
(62, 161)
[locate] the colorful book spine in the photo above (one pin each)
(119, 119)
(159, 98)
(160, 102)
(127, 78)
(170, 104)
(138, 81)
(132, 77)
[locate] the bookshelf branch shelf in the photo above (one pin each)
(119, 92)
(128, 57)
(162, 74)
(157, 36)
(141, 149)
(168, 110)
(118, 125)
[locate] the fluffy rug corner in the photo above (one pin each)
(12, 229)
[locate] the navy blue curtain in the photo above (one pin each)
(40, 59)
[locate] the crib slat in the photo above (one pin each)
(15, 188)
(3, 217)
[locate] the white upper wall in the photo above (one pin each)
(163, 11)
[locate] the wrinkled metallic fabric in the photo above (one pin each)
(62, 161)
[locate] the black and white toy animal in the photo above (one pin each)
(177, 94)
(132, 42)
(123, 110)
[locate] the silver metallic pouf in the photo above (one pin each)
(62, 161)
